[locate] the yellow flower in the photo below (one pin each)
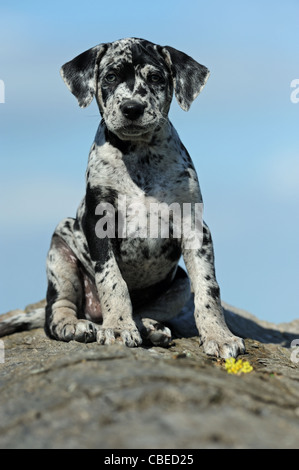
(237, 367)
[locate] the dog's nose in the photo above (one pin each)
(132, 109)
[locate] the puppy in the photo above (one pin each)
(113, 271)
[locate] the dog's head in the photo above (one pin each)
(133, 82)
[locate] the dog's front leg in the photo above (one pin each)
(114, 297)
(217, 339)
(115, 301)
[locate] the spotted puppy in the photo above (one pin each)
(103, 285)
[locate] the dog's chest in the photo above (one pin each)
(146, 175)
(142, 185)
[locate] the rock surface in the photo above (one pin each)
(73, 395)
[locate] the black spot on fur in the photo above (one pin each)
(124, 146)
(76, 225)
(52, 295)
(127, 74)
(214, 292)
(141, 91)
(98, 247)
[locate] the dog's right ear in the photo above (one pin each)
(80, 74)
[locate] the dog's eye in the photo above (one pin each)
(111, 77)
(155, 78)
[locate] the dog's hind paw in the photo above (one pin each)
(155, 332)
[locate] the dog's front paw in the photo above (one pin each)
(128, 336)
(225, 347)
(83, 331)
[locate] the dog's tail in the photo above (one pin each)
(22, 321)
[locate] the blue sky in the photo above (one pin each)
(242, 133)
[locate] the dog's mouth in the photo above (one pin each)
(133, 131)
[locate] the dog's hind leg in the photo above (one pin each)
(168, 305)
(65, 296)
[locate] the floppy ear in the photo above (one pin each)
(189, 77)
(80, 74)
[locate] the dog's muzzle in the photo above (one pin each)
(132, 109)
(133, 125)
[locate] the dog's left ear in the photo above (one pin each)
(80, 74)
(189, 77)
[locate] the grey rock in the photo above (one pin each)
(73, 395)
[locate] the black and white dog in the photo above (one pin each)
(105, 284)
